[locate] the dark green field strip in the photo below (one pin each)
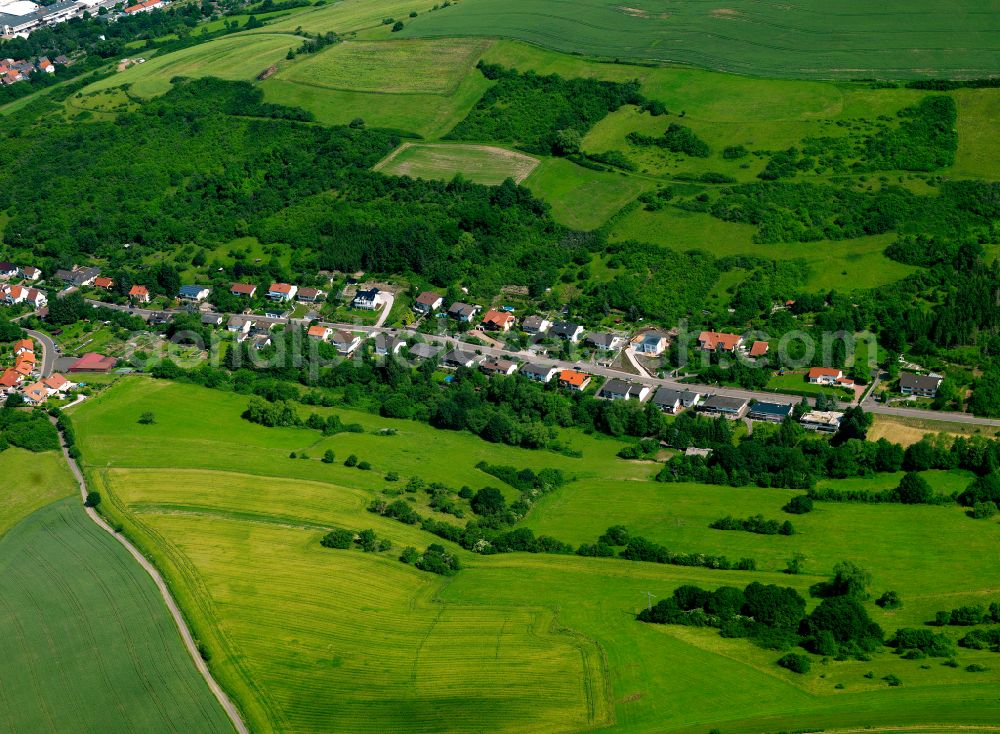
(88, 645)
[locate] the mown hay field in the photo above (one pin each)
(485, 164)
(311, 639)
(810, 39)
(389, 67)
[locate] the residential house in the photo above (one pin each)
(239, 325)
(771, 412)
(260, 326)
(539, 372)
(310, 295)
(825, 421)
(261, 341)
(386, 345)
(463, 312)
(7, 270)
(605, 341)
(535, 324)
(35, 393)
(9, 380)
(23, 345)
(243, 290)
(458, 358)
(694, 451)
(652, 343)
(274, 313)
(719, 341)
(720, 405)
(144, 6)
(139, 294)
(44, 65)
(35, 298)
(193, 292)
(566, 330)
(758, 349)
(212, 319)
(424, 351)
(925, 386)
(494, 366)
(31, 273)
(281, 291)
(63, 60)
(319, 332)
(828, 376)
(428, 302)
(14, 294)
(497, 320)
(57, 384)
(93, 362)
(669, 400)
(616, 389)
(104, 283)
(78, 276)
(344, 341)
(369, 300)
(574, 379)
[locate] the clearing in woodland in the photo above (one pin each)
(485, 164)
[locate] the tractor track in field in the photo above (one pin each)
(227, 705)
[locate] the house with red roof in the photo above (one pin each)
(828, 376)
(495, 320)
(244, 290)
(139, 294)
(758, 349)
(35, 393)
(10, 379)
(104, 283)
(281, 291)
(93, 362)
(574, 379)
(24, 345)
(712, 341)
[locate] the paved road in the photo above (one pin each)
(49, 353)
(227, 705)
(869, 405)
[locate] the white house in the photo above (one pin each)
(369, 300)
(281, 291)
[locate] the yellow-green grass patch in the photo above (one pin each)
(346, 16)
(485, 164)
(29, 481)
(237, 58)
(907, 431)
(580, 197)
(388, 67)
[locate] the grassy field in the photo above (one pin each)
(30, 481)
(309, 639)
(810, 39)
(87, 643)
(239, 57)
(389, 67)
(581, 198)
(483, 164)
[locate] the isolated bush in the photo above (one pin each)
(795, 662)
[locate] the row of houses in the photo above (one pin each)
(19, 377)
(10, 271)
(12, 295)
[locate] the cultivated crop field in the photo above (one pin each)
(87, 643)
(808, 39)
(390, 67)
(312, 639)
(30, 481)
(483, 164)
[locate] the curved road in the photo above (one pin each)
(227, 705)
(48, 351)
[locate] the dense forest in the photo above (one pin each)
(542, 114)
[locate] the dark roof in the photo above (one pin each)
(457, 356)
(532, 322)
(424, 351)
(191, 290)
(668, 396)
(621, 387)
(211, 318)
(601, 339)
(463, 309)
(7, 267)
(537, 369)
(368, 295)
(724, 404)
(777, 410)
(498, 365)
(919, 382)
(564, 328)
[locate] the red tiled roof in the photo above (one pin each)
(758, 349)
(714, 339)
(24, 344)
(573, 377)
(317, 331)
(9, 378)
(497, 318)
(280, 288)
(244, 289)
(428, 298)
(139, 290)
(93, 362)
(103, 282)
(816, 372)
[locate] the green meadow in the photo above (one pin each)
(88, 644)
(311, 639)
(485, 164)
(810, 39)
